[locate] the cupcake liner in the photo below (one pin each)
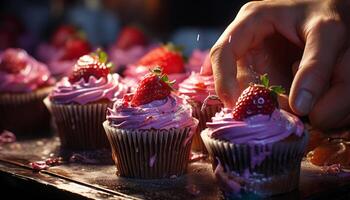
(203, 117)
(24, 113)
(80, 126)
(150, 153)
(276, 172)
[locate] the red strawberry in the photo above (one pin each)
(167, 57)
(257, 99)
(91, 65)
(75, 47)
(62, 34)
(13, 60)
(153, 86)
(130, 36)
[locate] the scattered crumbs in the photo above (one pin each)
(193, 189)
(45, 164)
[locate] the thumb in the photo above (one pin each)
(323, 43)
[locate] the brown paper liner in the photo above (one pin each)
(150, 153)
(80, 126)
(25, 113)
(203, 117)
(278, 173)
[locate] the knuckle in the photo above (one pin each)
(251, 7)
(217, 49)
(254, 10)
(330, 23)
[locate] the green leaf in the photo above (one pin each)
(265, 80)
(165, 78)
(176, 48)
(278, 89)
(103, 57)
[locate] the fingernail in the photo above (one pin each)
(303, 102)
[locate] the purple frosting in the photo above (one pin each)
(198, 88)
(33, 76)
(82, 92)
(257, 129)
(171, 112)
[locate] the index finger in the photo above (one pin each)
(252, 25)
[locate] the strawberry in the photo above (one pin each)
(153, 86)
(91, 65)
(167, 57)
(257, 99)
(75, 47)
(130, 36)
(13, 60)
(62, 34)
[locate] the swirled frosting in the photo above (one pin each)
(198, 88)
(257, 129)
(32, 76)
(82, 92)
(171, 112)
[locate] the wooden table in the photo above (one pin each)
(91, 181)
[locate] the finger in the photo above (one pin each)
(332, 110)
(295, 67)
(323, 43)
(252, 25)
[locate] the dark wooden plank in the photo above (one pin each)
(100, 182)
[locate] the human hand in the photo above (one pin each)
(302, 45)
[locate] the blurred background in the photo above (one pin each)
(192, 24)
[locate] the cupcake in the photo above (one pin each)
(24, 83)
(130, 45)
(78, 103)
(198, 87)
(66, 45)
(196, 60)
(256, 147)
(151, 130)
(167, 57)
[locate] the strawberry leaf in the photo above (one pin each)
(165, 78)
(174, 48)
(265, 80)
(102, 56)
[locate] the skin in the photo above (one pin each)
(302, 44)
